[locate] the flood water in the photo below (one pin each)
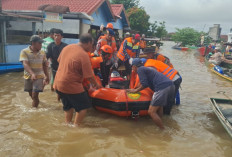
(192, 129)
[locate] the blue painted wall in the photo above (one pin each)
(118, 24)
(13, 52)
(100, 18)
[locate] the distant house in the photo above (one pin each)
(224, 38)
(168, 37)
(80, 16)
(84, 15)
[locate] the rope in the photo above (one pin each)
(126, 103)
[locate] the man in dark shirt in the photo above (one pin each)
(162, 86)
(53, 51)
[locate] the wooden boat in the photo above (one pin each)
(204, 50)
(192, 47)
(223, 109)
(181, 48)
(10, 67)
(226, 74)
(221, 71)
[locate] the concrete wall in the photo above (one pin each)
(84, 28)
(13, 51)
(68, 26)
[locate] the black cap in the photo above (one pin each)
(36, 38)
(52, 30)
(149, 50)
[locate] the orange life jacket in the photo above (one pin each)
(162, 68)
(163, 59)
(95, 61)
(143, 44)
(104, 42)
(130, 49)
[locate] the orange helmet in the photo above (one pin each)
(110, 25)
(107, 49)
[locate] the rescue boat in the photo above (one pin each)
(117, 101)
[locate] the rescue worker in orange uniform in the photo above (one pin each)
(143, 43)
(169, 72)
(107, 39)
(128, 49)
(102, 65)
(152, 53)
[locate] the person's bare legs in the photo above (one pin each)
(79, 117)
(30, 94)
(68, 116)
(35, 99)
(160, 111)
(152, 111)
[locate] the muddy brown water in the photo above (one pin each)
(192, 129)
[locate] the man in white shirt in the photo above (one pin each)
(216, 58)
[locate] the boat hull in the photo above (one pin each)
(223, 110)
(10, 67)
(119, 102)
(221, 75)
(204, 50)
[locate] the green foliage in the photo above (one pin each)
(188, 36)
(127, 3)
(157, 29)
(152, 29)
(161, 30)
(139, 20)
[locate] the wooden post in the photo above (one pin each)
(33, 28)
(3, 42)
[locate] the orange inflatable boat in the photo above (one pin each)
(118, 101)
(121, 103)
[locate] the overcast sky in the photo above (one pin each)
(190, 13)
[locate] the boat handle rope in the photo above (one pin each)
(224, 93)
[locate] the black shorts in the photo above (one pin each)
(79, 101)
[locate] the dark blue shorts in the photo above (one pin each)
(79, 101)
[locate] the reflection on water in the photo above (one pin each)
(191, 130)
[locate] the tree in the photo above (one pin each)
(161, 30)
(152, 29)
(188, 36)
(157, 29)
(127, 3)
(139, 19)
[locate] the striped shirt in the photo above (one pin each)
(46, 42)
(36, 62)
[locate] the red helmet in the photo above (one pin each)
(107, 49)
(110, 25)
(137, 37)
